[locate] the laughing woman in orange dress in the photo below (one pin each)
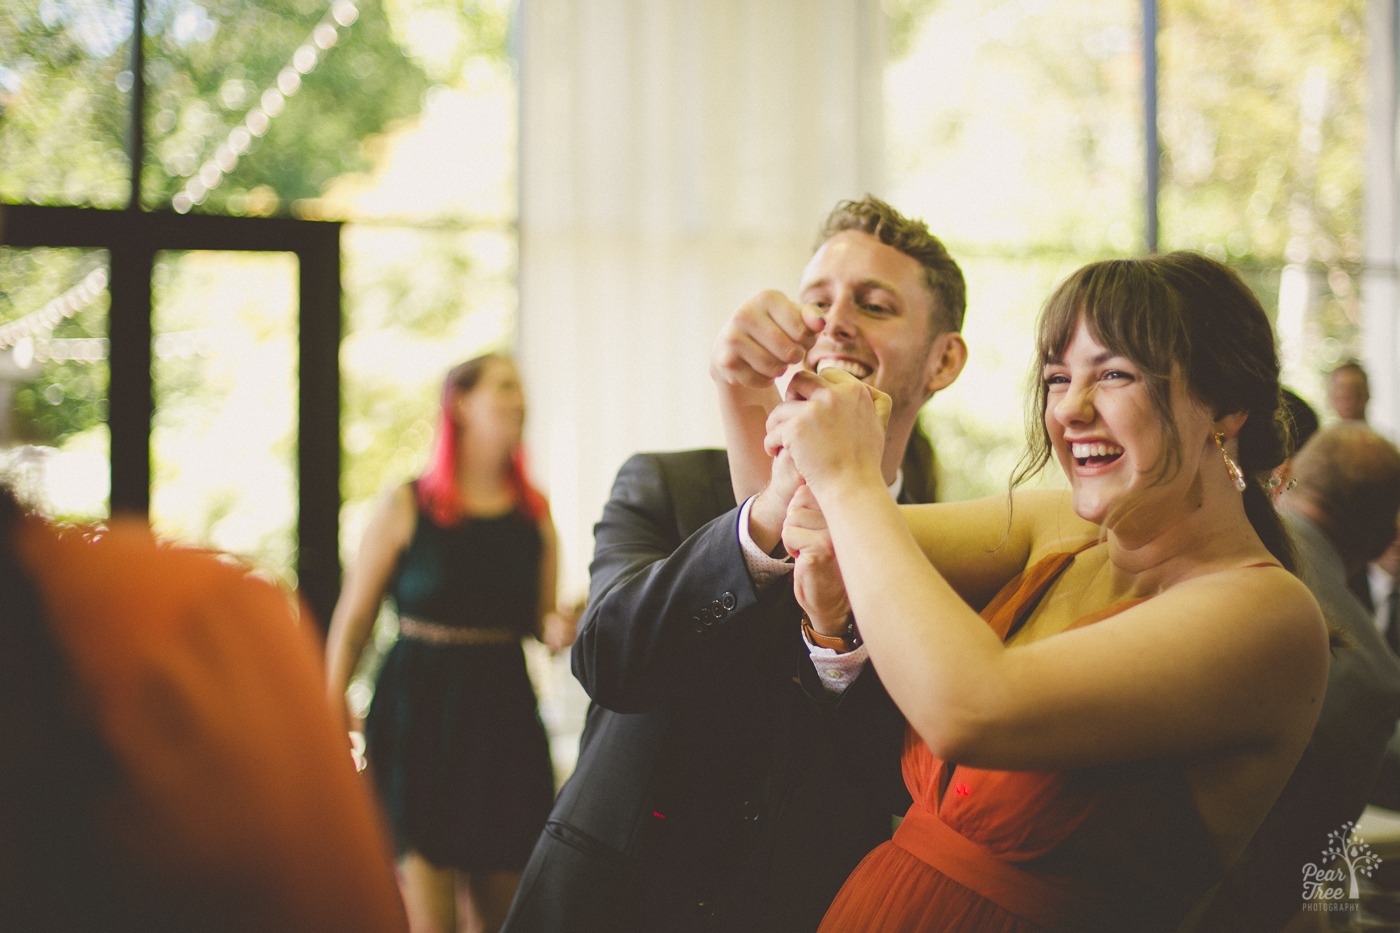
(1088, 751)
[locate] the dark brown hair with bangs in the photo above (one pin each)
(1182, 310)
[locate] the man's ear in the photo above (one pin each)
(947, 356)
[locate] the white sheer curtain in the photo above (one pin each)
(677, 156)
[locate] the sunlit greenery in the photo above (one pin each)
(70, 397)
(224, 430)
(1016, 130)
(64, 117)
(1262, 126)
(1263, 129)
(402, 125)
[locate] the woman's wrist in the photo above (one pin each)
(852, 481)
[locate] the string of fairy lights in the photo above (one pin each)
(22, 334)
(271, 103)
(28, 337)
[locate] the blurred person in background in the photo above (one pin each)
(455, 746)
(1302, 423)
(1382, 591)
(1340, 512)
(1349, 391)
(168, 762)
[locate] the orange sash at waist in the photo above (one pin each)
(1033, 897)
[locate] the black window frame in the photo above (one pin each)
(132, 237)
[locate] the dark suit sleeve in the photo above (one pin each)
(661, 600)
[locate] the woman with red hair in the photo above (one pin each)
(467, 554)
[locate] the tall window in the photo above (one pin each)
(389, 122)
(1017, 130)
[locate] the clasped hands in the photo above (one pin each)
(832, 423)
(826, 426)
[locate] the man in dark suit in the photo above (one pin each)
(723, 782)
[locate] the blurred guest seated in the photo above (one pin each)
(1301, 423)
(168, 761)
(1378, 588)
(1341, 513)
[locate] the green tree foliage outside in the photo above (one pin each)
(71, 395)
(64, 73)
(1019, 138)
(1016, 130)
(1263, 129)
(415, 273)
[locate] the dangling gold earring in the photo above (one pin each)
(1236, 474)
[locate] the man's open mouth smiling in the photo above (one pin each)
(859, 370)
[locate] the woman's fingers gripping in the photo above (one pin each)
(828, 422)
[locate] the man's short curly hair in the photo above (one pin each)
(911, 237)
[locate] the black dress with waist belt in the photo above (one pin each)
(453, 735)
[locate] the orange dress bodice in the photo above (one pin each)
(1107, 848)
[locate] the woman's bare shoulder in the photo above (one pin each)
(395, 515)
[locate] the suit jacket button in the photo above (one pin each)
(729, 602)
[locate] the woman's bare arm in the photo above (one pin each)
(387, 535)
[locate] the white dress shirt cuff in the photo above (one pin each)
(837, 670)
(763, 568)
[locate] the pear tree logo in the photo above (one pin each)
(1336, 883)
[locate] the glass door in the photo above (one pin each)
(224, 369)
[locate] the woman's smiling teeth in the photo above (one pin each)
(1097, 453)
(859, 370)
